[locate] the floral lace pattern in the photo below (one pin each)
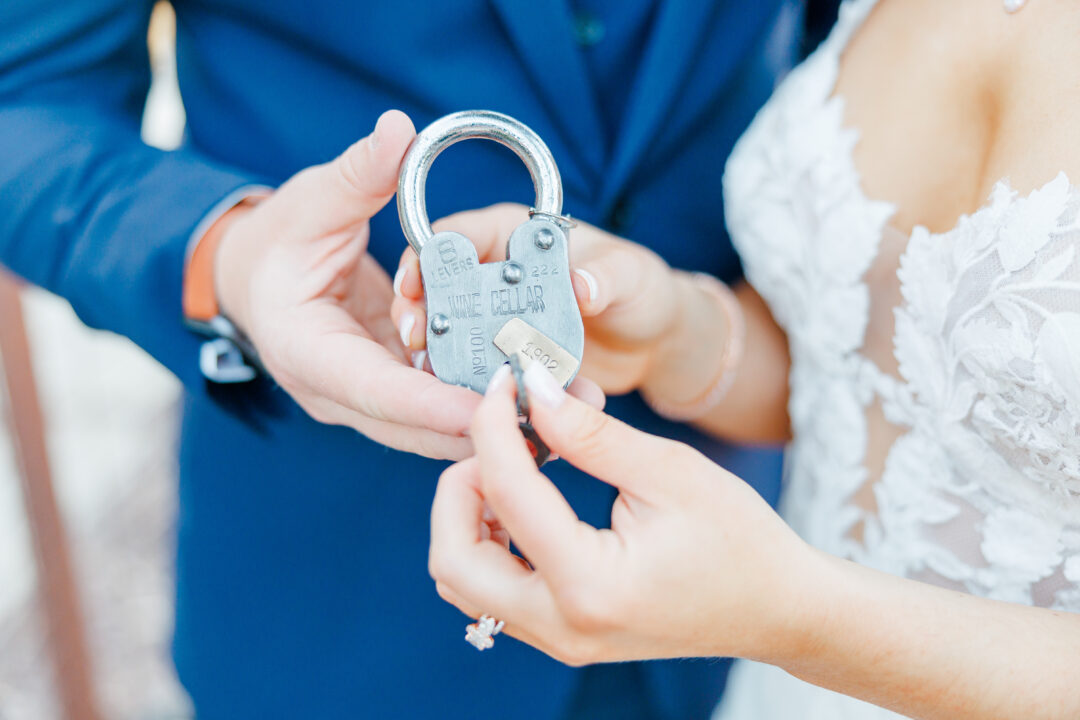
(978, 488)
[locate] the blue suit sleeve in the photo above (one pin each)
(87, 210)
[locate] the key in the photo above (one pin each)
(540, 451)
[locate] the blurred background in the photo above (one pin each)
(110, 417)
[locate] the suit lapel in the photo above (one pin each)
(541, 33)
(677, 42)
(680, 29)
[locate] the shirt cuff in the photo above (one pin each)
(199, 299)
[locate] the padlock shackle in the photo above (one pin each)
(444, 132)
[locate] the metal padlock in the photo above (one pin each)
(480, 314)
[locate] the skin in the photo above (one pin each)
(948, 98)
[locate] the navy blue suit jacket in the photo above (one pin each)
(302, 588)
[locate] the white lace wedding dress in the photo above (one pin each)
(935, 379)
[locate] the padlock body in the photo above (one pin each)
(469, 303)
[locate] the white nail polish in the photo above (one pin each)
(419, 358)
(498, 379)
(408, 322)
(542, 386)
(398, 277)
(590, 282)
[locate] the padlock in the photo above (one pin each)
(480, 314)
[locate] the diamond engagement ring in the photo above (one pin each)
(481, 634)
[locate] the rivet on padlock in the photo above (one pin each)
(483, 313)
(544, 239)
(512, 273)
(439, 323)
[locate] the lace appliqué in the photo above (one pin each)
(978, 485)
(988, 342)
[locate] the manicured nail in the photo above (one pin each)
(408, 322)
(590, 283)
(418, 359)
(398, 277)
(543, 386)
(498, 379)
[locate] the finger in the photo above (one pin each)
(592, 441)
(407, 281)
(527, 504)
(368, 306)
(534, 629)
(352, 187)
(482, 574)
(609, 274)
(410, 318)
(411, 326)
(479, 576)
(426, 443)
(588, 392)
(494, 529)
(487, 228)
(359, 374)
(612, 368)
(387, 334)
(407, 396)
(450, 596)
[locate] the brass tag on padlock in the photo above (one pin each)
(531, 345)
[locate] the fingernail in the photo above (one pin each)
(408, 322)
(399, 276)
(590, 282)
(418, 359)
(373, 139)
(543, 386)
(498, 379)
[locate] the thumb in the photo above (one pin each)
(595, 442)
(352, 187)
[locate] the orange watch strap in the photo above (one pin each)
(199, 296)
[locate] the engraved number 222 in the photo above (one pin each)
(542, 270)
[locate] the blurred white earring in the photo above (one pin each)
(1012, 6)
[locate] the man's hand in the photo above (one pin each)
(294, 274)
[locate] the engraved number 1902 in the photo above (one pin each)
(538, 354)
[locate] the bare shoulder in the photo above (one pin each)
(1038, 129)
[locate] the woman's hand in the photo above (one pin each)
(635, 307)
(695, 562)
